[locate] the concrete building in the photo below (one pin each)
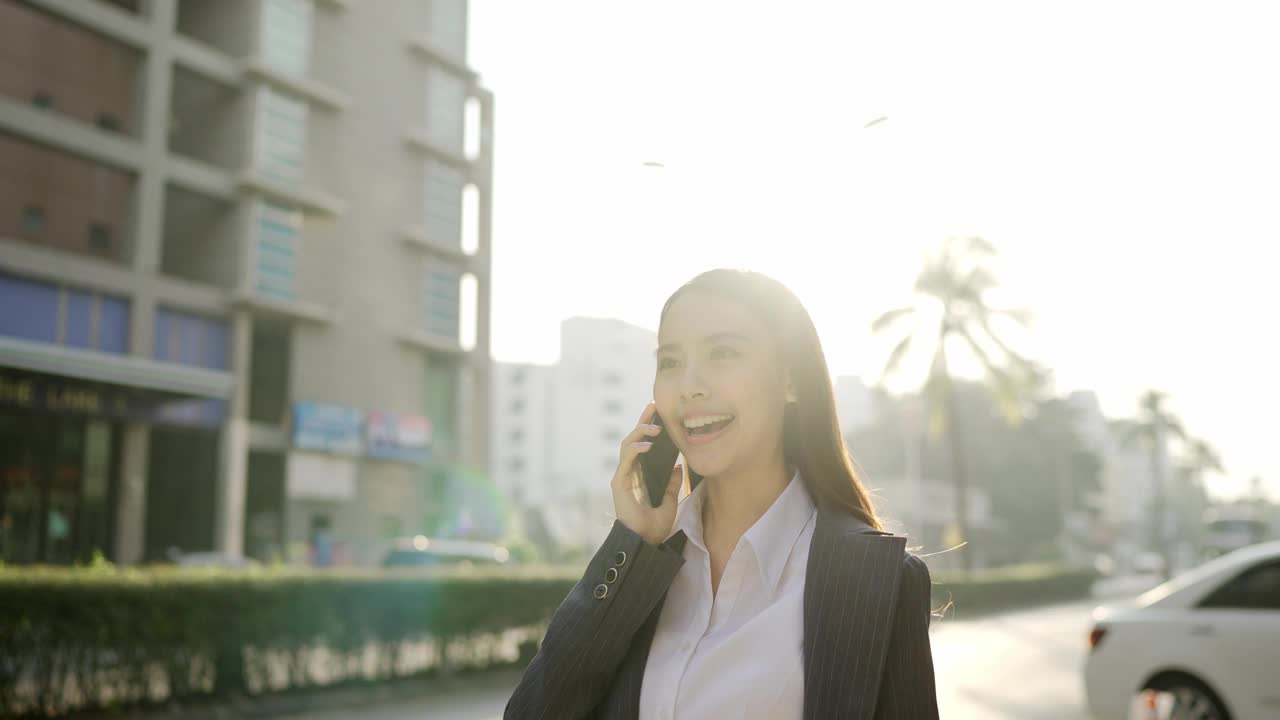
(557, 429)
(1128, 488)
(521, 440)
(244, 274)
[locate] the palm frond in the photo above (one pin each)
(1205, 457)
(975, 245)
(1008, 393)
(1022, 316)
(977, 281)
(889, 318)
(984, 321)
(1173, 426)
(935, 280)
(895, 357)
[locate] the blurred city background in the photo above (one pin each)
(289, 289)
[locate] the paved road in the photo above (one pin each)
(1022, 665)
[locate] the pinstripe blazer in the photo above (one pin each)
(866, 630)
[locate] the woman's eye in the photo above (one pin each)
(723, 352)
(665, 363)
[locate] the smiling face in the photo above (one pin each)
(719, 385)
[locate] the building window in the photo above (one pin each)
(441, 407)
(30, 309)
(516, 464)
(612, 378)
(108, 122)
(517, 406)
(612, 435)
(100, 238)
(443, 294)
(189, 339)
(610, 464)
(276, 235)
(33, 220)
(612, 406)
(517, 435)
(281, 142)
(446, 109)
(517, 377)
(286, 35)
(42, 100)
(443, 203)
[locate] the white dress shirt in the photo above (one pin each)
(741, 654)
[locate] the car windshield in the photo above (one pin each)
(1187, 579)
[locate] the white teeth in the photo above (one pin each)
(705, 420)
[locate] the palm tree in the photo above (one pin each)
(950, 310)
(1200, 459)
(1154, 425)
(1203, 458)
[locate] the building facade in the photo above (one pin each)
(244, 275)
(557, 429)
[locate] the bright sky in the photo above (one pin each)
(1124, 158)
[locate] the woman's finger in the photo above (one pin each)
(642, 432)
(630, 451)
(648, 411)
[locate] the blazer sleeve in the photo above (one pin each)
(591, 631)
(907, 688)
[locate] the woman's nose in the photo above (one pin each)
(692, 387)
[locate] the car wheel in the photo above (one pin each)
(1192, 700)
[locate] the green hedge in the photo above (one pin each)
(1010, 587)
(92, 638)
(81, 638)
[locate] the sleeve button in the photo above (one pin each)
(620, 558)
(611, 575)
(601, 590)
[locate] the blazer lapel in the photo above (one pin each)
(851, 587)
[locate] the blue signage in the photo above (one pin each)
(328, 428)
(406, 438)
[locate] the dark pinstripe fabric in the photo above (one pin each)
(866, 630)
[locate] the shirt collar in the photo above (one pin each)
(772, 536)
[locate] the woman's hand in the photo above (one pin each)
(631, 497)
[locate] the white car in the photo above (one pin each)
(1210, 636)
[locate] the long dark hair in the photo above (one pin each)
(811, 442)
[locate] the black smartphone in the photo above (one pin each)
(658, 462)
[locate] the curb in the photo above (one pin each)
(301, 701)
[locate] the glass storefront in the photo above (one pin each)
(58, 478)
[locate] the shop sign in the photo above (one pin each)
(51, 393)
(392, 436)
(328, 428)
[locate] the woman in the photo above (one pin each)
(770, 591)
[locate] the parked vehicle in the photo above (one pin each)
(1210, 637)
(421, 551)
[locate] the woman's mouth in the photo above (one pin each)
(706, 429)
